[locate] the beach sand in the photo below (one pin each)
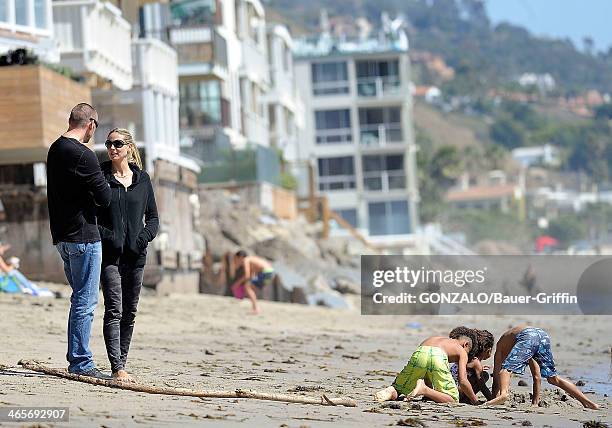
(209, 342)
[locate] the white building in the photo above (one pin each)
(236, 78)
(220, 96)
(28, 24)
(358, 130)
(537, 155)
(285, 109)
(95, 41)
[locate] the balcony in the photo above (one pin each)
(255, 63)
(94, 39)
(201, 51)
(379, 87)
(379, 135)
(334, 136)
(155, 65)
(336, 182)
(385, 181)
(336, 87)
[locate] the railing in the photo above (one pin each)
(378, 86)
(199, 45)
(155, 64)
(94, 38)
(330, 88)
(336, 182)
(334, 136)
(384, 180)
(380, 134)
(254, 60)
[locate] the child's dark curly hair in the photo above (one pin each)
(458, 332)
(485, 339)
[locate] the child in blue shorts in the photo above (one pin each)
(521, 346)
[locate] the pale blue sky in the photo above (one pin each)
(560, 18)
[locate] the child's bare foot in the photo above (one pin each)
(386, 394)
(419, 389)
(254, 311)
(122, 376)
(591, 405)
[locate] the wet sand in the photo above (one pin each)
(209, 342)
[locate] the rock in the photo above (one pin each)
(580, 383)
(522, 383)
(318, 284)
(278, 249)
(298, 296)
(346, 286)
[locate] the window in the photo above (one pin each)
(379, 126)
(4, 10)
(200, 103)
(40, 14)
(388, 218)
(333, 126)
(375, 78)
(336, 173)
(384, 172)
(329, 78)
(21, 13)
(349, 215)
(194, 12)
(367, 69)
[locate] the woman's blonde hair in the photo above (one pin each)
(133, 153)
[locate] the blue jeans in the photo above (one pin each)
(82, 264)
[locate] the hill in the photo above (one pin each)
(462, 33)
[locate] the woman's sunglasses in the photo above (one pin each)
(117, 144)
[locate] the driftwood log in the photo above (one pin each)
(238, 393)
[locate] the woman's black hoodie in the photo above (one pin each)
(121, 225)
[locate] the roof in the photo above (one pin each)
(479, 193)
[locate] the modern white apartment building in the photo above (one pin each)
(358, 130)
(28, 24)
(236, 78)
(285, 109)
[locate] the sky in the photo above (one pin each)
(558, 18)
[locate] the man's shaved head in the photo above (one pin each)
(81, 115)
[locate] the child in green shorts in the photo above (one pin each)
(428, 372)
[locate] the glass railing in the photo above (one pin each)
(378, 86)
(331, 87)
(336, 182)
(334, 136)
(380, 134)
(384, 180)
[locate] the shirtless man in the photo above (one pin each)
(257, 272)
(521, 346)
(430, 362)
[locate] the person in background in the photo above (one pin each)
(255, 272)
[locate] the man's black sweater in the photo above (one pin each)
(75, 185)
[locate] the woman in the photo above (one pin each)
(124, 244)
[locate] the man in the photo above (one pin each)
(256, 272)
(75, 185)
